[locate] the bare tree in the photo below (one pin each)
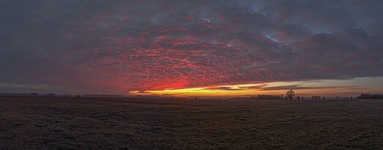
(290, 94)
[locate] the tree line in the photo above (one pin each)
(370, 96)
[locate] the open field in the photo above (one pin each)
(102, 123)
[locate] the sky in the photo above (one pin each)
(191, 47)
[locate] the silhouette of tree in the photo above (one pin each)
(370, 96)
(290, 94)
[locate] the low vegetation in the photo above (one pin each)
(112, 123)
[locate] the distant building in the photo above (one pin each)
(266, 97)
(316, 97)
(103, 96)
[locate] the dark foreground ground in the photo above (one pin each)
(86, 123)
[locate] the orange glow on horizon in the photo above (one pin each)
(303, 88)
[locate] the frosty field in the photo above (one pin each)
(108, 123)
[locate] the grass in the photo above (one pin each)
(102, 123)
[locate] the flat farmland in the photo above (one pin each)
(112, 123)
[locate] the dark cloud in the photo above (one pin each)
(119, 46)
(256, 87)
(300, 87)
(284, 87)
(223, 88)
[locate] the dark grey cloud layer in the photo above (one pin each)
(118, 46)
(284, 87)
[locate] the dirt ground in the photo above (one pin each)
(102, 123)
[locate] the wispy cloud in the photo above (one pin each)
(284, 87)
(94, 45)
(224, 88)
(300, 87)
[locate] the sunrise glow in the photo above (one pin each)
(189, 48)
(304, 88)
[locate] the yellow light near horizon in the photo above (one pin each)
(309, 89)
(206, 92)
(235, 90)
(188, 92)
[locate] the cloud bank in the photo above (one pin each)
(117, 46)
